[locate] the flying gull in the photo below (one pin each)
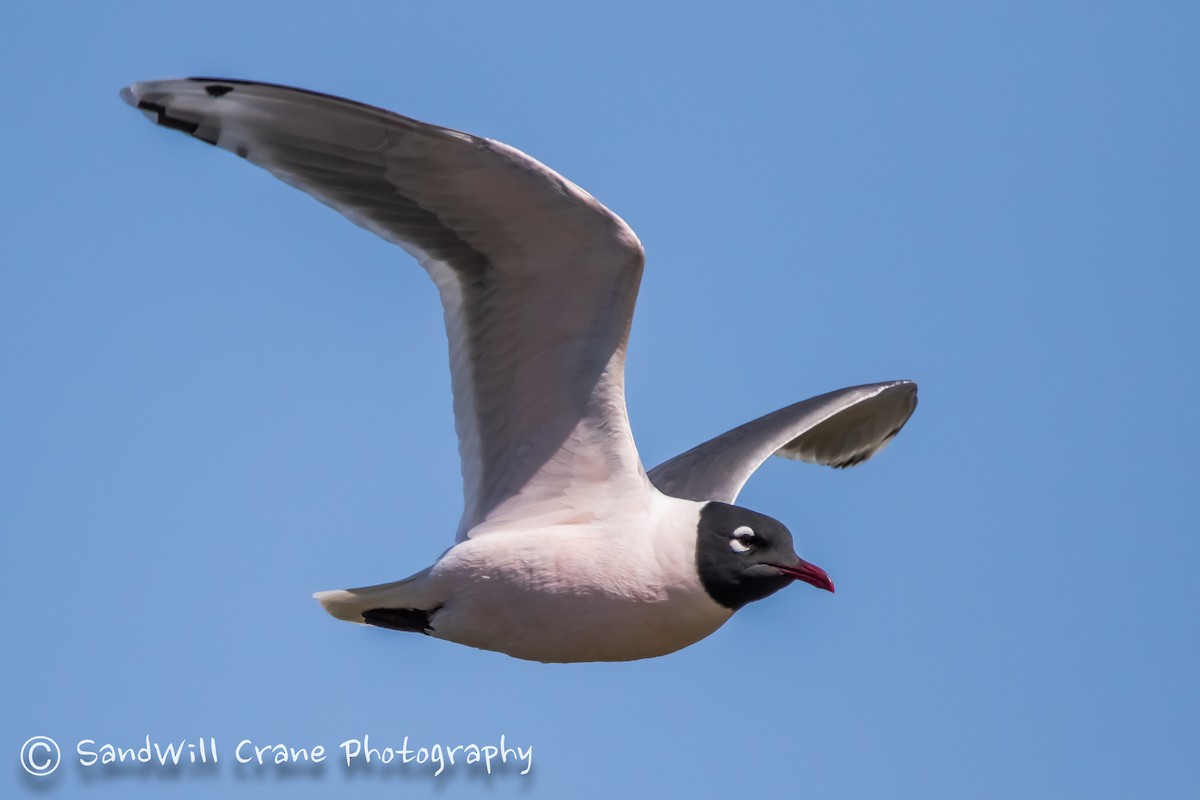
(568, 549)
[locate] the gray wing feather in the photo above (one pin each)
(838, 429)
(537, 279)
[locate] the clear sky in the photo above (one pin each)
(218, 396)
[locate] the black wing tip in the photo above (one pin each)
(161, 117)
(852, 461)
(159, 114)
(219, 87)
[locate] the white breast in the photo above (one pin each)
(617, 590)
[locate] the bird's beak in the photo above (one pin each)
(809, 573)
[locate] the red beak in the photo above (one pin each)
(809, 573)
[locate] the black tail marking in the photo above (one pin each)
(413, 620)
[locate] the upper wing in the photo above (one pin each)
(839, 429)
(537, 279)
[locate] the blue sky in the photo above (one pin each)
(219, 396)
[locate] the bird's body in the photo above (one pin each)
(567, 549)
(609, 590)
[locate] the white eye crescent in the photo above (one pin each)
(741, 539)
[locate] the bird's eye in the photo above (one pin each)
(742, 539)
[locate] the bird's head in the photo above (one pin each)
(743, 556)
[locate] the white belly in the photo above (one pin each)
(546, 596)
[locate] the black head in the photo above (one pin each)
(743, 556)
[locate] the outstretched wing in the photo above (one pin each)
(537, 279)
(839, 429)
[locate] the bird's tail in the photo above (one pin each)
(351, 604)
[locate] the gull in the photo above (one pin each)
(567, 550)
